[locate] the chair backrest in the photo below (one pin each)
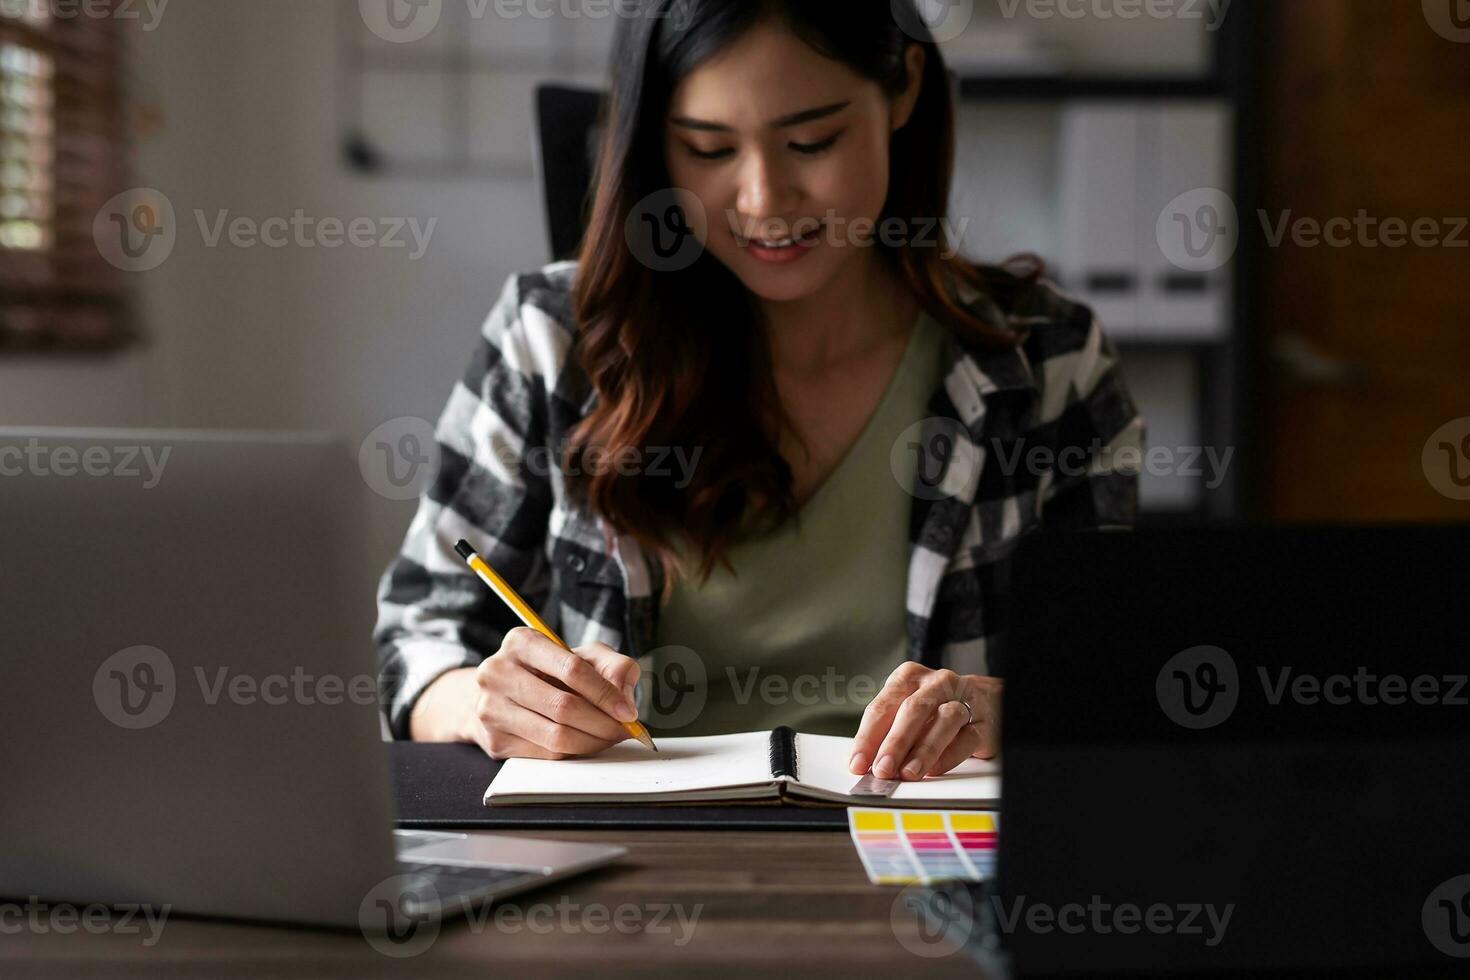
(566, 150)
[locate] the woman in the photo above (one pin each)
(785, 454)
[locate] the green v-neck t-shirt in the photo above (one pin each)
(811, 623)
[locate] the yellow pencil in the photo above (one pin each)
(528, 616)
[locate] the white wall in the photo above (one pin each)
(291, 338)
(297, 338)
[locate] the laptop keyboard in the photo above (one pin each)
(453, 881)
(407, 840)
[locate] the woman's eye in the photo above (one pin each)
(812, 149)
(807, 149)
(709, 154)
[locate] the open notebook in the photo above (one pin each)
(757, 767)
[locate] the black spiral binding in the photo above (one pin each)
(783, 752)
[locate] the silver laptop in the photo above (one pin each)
(190, 717)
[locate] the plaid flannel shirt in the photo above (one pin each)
(1042, 435)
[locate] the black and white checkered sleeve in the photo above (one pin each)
(1099, 433)
(434, 615)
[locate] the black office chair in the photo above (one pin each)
(567, 136)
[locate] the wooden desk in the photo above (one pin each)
(753, 904)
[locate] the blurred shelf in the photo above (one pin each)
(1165, 344)
(1194, 516)
(14, 347)
(364, 158)
(1062, 87)
(536, 62)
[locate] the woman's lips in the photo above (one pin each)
(783, 253)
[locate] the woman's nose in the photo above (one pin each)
(766, 190)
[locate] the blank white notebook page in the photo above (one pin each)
(973, 779)
(821, 761)
(698, 762)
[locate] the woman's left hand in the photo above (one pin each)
(918, 725)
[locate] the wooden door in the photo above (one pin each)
(1366, 346)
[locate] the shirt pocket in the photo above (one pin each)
(578, 559)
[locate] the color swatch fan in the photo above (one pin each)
(901, 847)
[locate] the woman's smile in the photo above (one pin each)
(781, 250)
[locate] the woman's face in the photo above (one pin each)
(778, 143)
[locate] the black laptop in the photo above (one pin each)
(1239, 751)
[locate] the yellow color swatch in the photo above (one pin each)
(872, 820)
(972, 821)
(923, 821)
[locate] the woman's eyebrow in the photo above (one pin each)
(780, 122)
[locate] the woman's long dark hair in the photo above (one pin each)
(680, 359)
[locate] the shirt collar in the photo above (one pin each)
(993, 369)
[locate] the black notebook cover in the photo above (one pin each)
(441, 786)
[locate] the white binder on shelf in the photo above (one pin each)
(1185, 148)
(1122, 164)
(1099, 257)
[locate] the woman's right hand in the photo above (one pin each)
(532, 699)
